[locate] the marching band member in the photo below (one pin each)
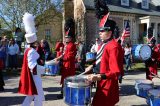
(107, 85)
(30, 80)
(151, 64)
(68, 58)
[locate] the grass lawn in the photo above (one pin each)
(137, 67)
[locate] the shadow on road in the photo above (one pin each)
(14, 90)
(126, 90)
(52, 89)
(14, 100)
(49, 97)
(134, 72)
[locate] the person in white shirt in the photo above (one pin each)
(95, 46)
(12, 51)
(127, 56)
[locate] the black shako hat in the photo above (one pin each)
(69, 28)
(109, 25)
(102, 13)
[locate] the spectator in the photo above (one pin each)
(127, 56)
(13, 50)
(81, 55)
(39, 49)
(19, 36)
(1, 76)
(95, 46)
(46, 49)
(3, 51)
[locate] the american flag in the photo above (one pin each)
(126, 31)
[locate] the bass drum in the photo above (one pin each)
(141, 52)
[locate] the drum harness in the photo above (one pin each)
(98, 59)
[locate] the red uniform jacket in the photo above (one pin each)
(26, 84)
(68, 68)
(107, 93)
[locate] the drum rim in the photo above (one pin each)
(143, 81)
(77, 84)
(140, 86)
(50, 62)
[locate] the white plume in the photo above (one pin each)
(29, 24)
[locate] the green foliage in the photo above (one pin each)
(11, 11)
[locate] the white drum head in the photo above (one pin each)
(77, 81)
(145, 52)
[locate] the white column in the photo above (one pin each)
(135, 31)
(148, 25)
(155, 31)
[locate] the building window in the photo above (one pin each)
(125, 2)
(145, 4)
(47, 34)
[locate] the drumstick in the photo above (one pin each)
(81, 67)
(84, 73)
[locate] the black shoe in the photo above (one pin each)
(60, 96)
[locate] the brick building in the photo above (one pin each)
(49, 26)
(141, 15)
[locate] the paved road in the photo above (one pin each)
(52, 88)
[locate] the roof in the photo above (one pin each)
(154, 2)
(132, 9)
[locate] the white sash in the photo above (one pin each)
(99, 53)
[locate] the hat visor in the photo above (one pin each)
(104, 29)
(67, 36)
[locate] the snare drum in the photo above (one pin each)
(77, 91)
(154, 97)
(90, 56)
(143, 82)
(141, 52)
(51, 68)
(142, 90)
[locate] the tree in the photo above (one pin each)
(11, 11)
